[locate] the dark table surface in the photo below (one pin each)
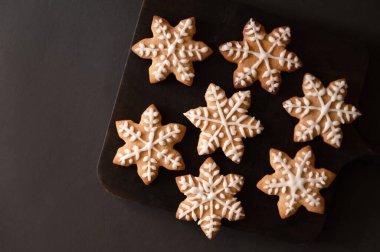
(60, 67)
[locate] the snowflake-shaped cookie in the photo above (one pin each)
(172, 50)
(261, 56)
(149, 145)
(296, 181)
(210, 197)
(321, 111)
(224, 122)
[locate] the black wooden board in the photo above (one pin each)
(323, 55)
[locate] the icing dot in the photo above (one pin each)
(211, 196)
(226, 110)
(213, 127)
(221, 134)
(215, 115)
(234, 118)
(217, 206)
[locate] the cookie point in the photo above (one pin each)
(260, 129)
(283, 216)
(258, 184)
(153, 106)
(275, 91)
(307, 147)
(147, 182)
(247, 92)
(187, 114)
(273, 150)
(336, 145)
(308, 76)
(210, 51)
(156, 19)
(114, 161)
(300, 64)
(223, 47)
(209, 160)
(332, 176)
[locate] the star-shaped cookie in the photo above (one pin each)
(321, 111)
(260, 56)
(224, 122)
(296, 181)
(172, 50)
(149, 145)
(210, 197)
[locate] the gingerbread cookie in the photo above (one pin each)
(149, 145)
(224, 122)
(296, 181)
(321, 111)
(261, 56)
(210, 197)
(172, 50)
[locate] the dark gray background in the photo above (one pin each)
(60, 67)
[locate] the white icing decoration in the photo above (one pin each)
(324, 103)
(253, 46)
(210, 197)
(173, 50)
(224, 122)
(151, 147)
(299, 182)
